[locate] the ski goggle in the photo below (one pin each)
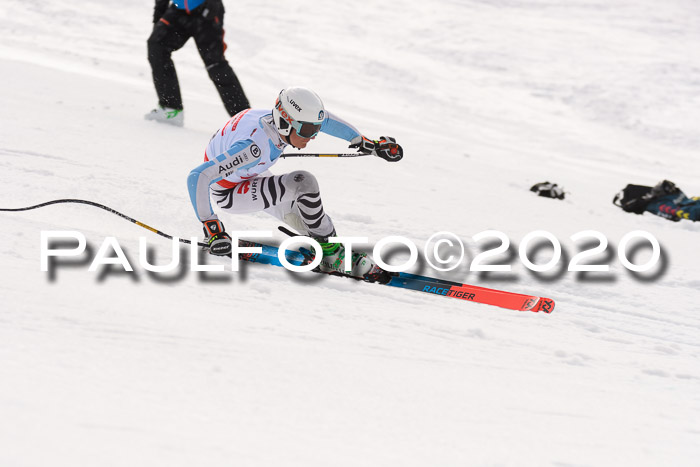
(306, 129)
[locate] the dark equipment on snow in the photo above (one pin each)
(548, 190)
(633, 198)
(665, 200)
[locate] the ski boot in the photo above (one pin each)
(166, 115)
(362, 267)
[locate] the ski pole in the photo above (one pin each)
(108, 209)
(352, 154)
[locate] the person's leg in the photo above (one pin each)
(209, 37)
(293, 198)
(169, 34)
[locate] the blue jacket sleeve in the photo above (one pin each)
(336, 126)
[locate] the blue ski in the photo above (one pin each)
(441, 287)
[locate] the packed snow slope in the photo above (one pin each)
(264, 368)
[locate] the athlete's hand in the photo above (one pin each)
(219, 241)
(385, 147)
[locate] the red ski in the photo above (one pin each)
(473, 293)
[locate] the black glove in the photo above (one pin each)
(548, 190)
(219, 241)
(385, 147)
(159, 9)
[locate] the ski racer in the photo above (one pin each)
(235, 174)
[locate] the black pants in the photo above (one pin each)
(206, 25)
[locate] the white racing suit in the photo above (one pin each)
(235, 174)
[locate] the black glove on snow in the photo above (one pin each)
(548, 190)
(385, 147)
(219, 241)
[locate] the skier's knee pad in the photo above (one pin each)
(303, 182)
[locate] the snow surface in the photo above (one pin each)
(265, 368)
